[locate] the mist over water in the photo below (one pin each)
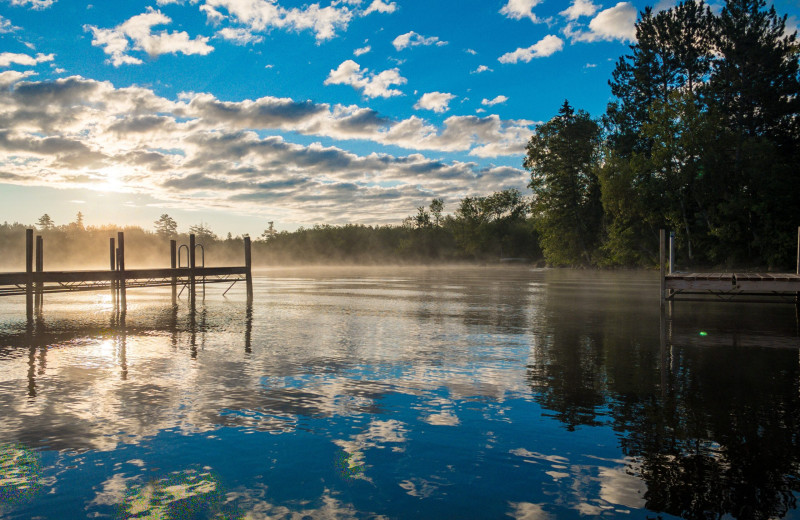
(400, 393)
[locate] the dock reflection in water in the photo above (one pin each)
(474, 393)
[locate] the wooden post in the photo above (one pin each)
(121, 266)
(112, 255)
(661, 260)
(39, 269)
(173, 262)
(191, 267)
(671, 252)
(29, 273)
(248, 264)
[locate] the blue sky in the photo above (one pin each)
(234, 113)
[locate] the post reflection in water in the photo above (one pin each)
(474, 393)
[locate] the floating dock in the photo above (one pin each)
(733, 286)
(34, 283)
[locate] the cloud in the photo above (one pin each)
(496, 101)
(436, 101)
(199, 151)
(138, 29)
(261, 15)
(481, 68)
(518, 9)
(6, 26)
(412, 39)
(372, 85)
(579, 8)
(239, 36)
(615, 23)
(547, 46)
(10, 77)
(34, 4)
(378, 6)
(362, 50)
(9, 58)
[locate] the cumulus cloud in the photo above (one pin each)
(518, 9)
(412, 39)
(579, 8)
(239, 36)
(6, 26)
(378, 6)
(481, 68)
(547, 46)
(614, 23)
(362, 50)
(34, 4)
(436, 101)
(259, 16)
(372, 85)
(9, 58)
(116, 42)
(495, 101)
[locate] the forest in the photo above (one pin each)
(701, 137)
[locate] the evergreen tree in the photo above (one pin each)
(563, 157)
(166, 226)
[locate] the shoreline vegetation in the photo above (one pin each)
(702, 137)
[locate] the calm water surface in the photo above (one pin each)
(400, 393)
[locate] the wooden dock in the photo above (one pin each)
(733, 286)
(35, 283)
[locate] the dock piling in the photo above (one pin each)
(192, 265)
(173, 262)
(112, 256)
(248, 264)
(121, 267)
(29, 273)
(39, 270)
(661, 260)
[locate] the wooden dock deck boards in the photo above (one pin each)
(732, 286)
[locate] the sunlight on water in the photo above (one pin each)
(400, 393)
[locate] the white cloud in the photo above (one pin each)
(262, 15)
(518, 9)
(362, 50)
(436, 101)
(34, 4)
(481, 68)
(547, 46)
(579, 8)
(139, 29)
(495, 101)
(412, 39)
(239, 36)
(471, 51)
(10, 77)
(9, 58)
(372, 85)
(614, 23)
(6, 26)
(380, 7)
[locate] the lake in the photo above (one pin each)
(398, 392)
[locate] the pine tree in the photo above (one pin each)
(563, 158)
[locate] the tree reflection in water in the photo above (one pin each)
(712, 424)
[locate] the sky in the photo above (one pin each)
(236, 113)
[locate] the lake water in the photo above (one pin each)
(400, 393)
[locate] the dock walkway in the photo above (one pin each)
(735, 286)
(34, 283)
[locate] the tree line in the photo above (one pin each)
(701, 138)
(482, 229)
